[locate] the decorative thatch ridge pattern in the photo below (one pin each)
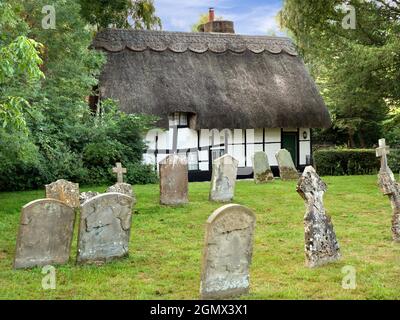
(115, 40)
(222, 80)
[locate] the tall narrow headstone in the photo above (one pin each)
(174, 182)
(389, 187)
(45, 233)
(104, 228)
(64, 191)
(227, 252)
(321, 245)
(262, 170)
(223, 178)
(287, 169)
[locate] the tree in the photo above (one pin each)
(356, 69)
(120, 13)
(19, 66)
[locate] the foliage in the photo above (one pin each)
(120, 13)
(19, 66)
(356, 69)
(65, 140)
(337, 162)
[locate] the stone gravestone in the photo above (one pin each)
(262, 170)
(223, 178)
(321, 245)
(45, 234)
(64, 191)
(124, 188)
(389, 187)
(287, 169)
(85, 196)
(104, 228)
(227, 252)
(174, 180)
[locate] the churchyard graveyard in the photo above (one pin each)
(303, 237)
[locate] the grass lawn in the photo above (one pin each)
(166, 246)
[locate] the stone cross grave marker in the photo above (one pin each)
(120, 172)
(227, 252)
(321, 245)
(64, 191)
(45, 233)
(381, 152)
(223, 178)
(261, 169)
(389, 187)
(287, 169)
(174, 181)
(104, 228)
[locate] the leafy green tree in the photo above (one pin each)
(356, 69)
(118, 13)
(19, 66)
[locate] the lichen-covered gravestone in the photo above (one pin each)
(223, 178)
(174, 180)
(104, 228)
(389, 187)
(227, 252)
(65, 191)
(321, 245)
(85, 196)
(262, 170)
(287, 169)
(124, 188)
(45, 233)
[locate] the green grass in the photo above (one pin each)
(166, 246)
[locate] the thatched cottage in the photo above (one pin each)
(255, 86)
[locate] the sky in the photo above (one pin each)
(251, 17)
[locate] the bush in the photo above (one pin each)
(337, 162)
(394, 160)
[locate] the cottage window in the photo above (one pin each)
(179, 119)
(193, 160)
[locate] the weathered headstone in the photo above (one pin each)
(85, 196)
(227, 252)
(389, 187)
(45, 233)
(120, 172)
(124, 188)
(287, 169)
(64, 191)
(174, 180)
(104, 228)
(223, 178)
(262, 170)
(321, 245)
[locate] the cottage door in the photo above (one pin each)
(290, 143)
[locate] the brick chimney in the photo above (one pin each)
(220, 26)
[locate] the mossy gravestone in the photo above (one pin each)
(104, 228)
(262, 170)
(174, 180)
(227, 252)
(45, 234)
(287, 169)
(64, 191)
(321, 245)
(223, 178)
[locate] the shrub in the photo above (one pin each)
(337, 162)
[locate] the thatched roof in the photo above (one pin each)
(226, 80)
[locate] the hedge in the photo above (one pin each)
(337, 162)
